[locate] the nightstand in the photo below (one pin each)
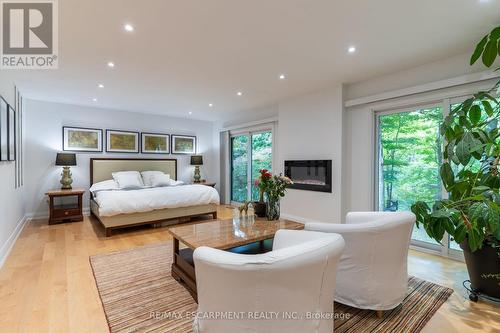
(65, 205)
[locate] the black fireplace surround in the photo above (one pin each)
(310, 175)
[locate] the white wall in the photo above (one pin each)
(11, 199)
(435, 71)
(44, 123)
(249, 116)
(310, 127)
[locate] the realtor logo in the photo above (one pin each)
(29, 34)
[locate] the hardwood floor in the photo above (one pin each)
(46, 285)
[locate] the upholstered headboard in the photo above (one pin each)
(101, 168)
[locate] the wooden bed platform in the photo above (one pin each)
(102, 168)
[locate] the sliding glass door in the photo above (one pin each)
(250, 152)
(239, 168)
(409, 158)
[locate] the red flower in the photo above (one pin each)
(265, 173)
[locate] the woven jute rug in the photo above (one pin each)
(138, 294)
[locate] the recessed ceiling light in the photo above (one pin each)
(128, 27)
(101, 85)
(111, 64)
(282, 76)
(94, 99)
(210, 105)
(351, 49)
(239, 93)
(190, 112)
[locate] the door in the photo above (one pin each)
(408, 161)
(250, 152)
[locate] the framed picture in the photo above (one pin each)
(4, 130)
(122, 141)
(82, 139)
(154, 143)
(183, 144)
(12, 133)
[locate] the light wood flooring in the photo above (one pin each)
(46, 284)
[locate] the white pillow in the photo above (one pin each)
(106, 185)
(128, 179)
(160, 179)
(146, 176)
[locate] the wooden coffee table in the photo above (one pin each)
(248, 237)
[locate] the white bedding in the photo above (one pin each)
(114, 202)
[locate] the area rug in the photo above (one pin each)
(138, 294)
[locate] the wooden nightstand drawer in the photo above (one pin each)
(66, 213)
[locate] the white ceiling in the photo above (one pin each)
(185, 54)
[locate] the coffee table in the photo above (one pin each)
(243, 236)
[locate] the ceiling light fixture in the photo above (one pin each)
(282, 76)
(111, 64)
(94, 99)
(101, 85)
(190, 113)
(210, 105)
(351, 49)
(128, 27)
(239, 93)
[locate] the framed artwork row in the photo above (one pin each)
(7, 131)
(81, 139)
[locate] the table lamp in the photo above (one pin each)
(66, 161)
(197, 160)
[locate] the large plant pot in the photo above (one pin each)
(260, 208)
(484, 269)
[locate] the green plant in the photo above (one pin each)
(470, 172)
(276, 186)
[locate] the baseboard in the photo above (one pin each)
(41, 216)
(7, 247)
(299, 219)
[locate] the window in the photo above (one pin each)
(409, 157)
(239, 171)
(408, 160)
(250, 152)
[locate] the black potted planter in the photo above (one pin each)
(260, 208)
(484, 269)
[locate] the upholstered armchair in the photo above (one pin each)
(372, 272)
(296, 278)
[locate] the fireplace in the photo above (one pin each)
(312, 175)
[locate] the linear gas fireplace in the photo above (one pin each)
(313, 175)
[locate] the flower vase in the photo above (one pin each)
(273, 208)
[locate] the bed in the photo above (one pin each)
(111, 219)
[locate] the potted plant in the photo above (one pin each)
(262, 182)
(471, 214)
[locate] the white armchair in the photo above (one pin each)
(372, 272)
(296, 278)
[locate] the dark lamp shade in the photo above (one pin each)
(196, 160)
(64, 159)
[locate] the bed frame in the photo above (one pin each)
(101, 169)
